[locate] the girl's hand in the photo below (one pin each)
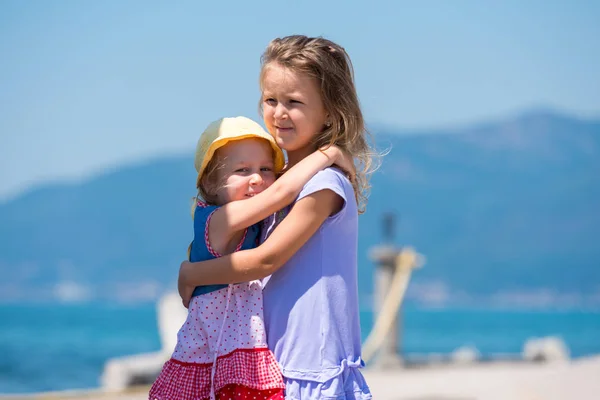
(185, 291)
(342, 159)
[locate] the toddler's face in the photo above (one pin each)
(247, 170)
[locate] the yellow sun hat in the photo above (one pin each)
(226, 130)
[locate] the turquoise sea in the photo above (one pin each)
(56, 347)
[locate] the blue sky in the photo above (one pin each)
(86, 86)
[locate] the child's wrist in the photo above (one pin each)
(338, 154)
(333, 153)
(183, 272)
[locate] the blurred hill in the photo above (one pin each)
(507, 213)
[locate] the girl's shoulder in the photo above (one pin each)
(202, 212)
(331, 178)
(201, 248)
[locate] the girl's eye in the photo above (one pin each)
(241, 170)
(295, 101)
(266, 169)
(270, 101)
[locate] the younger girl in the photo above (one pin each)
(310, 300)
(221, 349)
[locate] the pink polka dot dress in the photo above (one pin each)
(221, 350)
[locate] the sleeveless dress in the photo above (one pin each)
(221, 349)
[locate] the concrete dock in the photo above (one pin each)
(577, 379)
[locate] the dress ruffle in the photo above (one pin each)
(347, 385)
(252, 368)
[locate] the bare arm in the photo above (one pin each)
(291, 234)
(238, 215)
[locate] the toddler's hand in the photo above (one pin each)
(342, 159)
(185, 291)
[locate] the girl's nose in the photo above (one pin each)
(280, 111)
(256, 179)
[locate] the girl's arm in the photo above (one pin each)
(291, 234)
(238, 215)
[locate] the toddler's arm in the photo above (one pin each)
(238, 215)
(291, 234)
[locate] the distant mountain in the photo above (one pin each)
(505, 212)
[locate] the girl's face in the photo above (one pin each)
(293, 110)
(247, 169)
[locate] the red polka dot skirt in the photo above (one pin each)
(226, 325)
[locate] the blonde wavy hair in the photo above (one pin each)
(208, 183)
(330, 66)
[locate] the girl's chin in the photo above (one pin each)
(283, 143)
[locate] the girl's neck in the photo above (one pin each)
(294, 157)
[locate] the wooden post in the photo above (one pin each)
(385, 259)
(384, 256)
